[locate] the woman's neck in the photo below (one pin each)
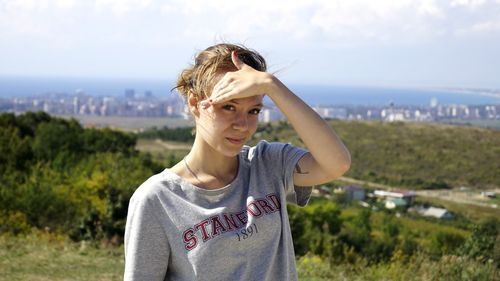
(207, 167)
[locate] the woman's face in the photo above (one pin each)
(227, 126)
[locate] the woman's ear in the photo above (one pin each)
(193, 103)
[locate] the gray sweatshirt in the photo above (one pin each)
(177, 231)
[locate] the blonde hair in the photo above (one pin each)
(214, 60)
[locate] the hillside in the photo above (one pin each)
(412, 155)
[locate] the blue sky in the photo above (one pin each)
(368, 43)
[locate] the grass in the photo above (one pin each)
(417, 268)
(41, 257)
(163, 152)
(492, 124)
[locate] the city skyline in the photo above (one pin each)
(372, 43)
(146, 104)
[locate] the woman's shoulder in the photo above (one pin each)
(262, 149)
(154, 186)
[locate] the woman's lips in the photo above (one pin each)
(236, 140)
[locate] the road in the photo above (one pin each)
(463, 196)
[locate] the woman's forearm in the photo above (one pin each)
(319, 138)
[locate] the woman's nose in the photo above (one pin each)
(241, 122)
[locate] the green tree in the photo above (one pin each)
(52, 138)
(15, 150)
(356, 233)
(107, 140)
(314, 226)
(484, 243)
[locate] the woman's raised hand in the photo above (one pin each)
(245, 82)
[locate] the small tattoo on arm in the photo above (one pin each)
(299, 170)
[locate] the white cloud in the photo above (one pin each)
(471, 4)
(121, 7)
(278, 24)
(430, 7)
(330, 22)
(481, 28)
(65, 4)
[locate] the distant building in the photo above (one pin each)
(439, 213)
(324, 190)
(392, 203)
(434, 102)
(130, 93)
(395, 198)
(331, 112)
(270, 114)
(393, 115)
(351, 192)
(489, 194)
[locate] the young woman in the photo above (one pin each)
(220, 213)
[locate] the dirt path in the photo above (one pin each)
(173, 146)
(473, 197)
(367, 183)
(467, 196)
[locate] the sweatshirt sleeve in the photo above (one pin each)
(146, 246)
(298, 195)
(283, 157)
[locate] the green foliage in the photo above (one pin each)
(15, 150)
(14, 223)
(61, 177)
(364, 236)
(418, 268)
(313, 227)
(58, 141)
(443, 243)
(27, 122)
(357, 232)
(37, 198)
(101, 188)
(107, 140)
(484, 243)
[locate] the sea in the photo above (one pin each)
(12, 87)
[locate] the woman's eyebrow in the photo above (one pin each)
(258, 104)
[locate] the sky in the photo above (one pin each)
(422, 43)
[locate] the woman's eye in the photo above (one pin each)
(229, 107)
(255, 111)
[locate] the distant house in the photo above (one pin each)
(489, 194)
(439, 213)
(323, 191)
(394, 197)
(392, 203)
(352, 192)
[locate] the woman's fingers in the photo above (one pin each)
(223, 83)
(219, 90)
(204, 104)
(223, 95)
(234, 85)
